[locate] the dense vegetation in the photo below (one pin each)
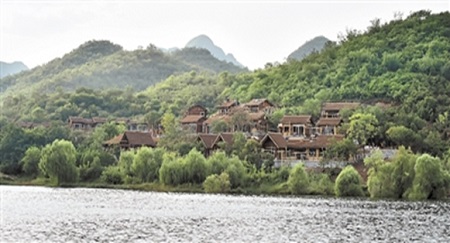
(399, 71)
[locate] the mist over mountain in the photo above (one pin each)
(316, 44)
(11, 68)
(203, 41)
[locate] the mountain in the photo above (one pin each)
(316, 44)
(203, 41)
(103, 65)
(11, 68)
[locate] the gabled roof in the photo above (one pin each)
(192, 119)
(336, 106)
(322, 141)
(133, 138)
(276, 138)
(207, 140)
(257, 116)
(301, 119)
(334, 121)
(226, 137)
(257, 102)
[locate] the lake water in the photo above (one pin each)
(61, 215)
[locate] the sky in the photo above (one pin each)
(255, 32)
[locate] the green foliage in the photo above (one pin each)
(320, 184)
(113, 175)
(196, 167)
(91, 170)
(430, 181)
(217, 183)
(298, 181)
(403, 172)
(379, 181)
(58, 162)
(348, 183)
(236, 171)
(341, 150)
(217, 162)
(172, 171)
(31, 160)
(126, 160)
(402, 135)
(362, 127)
(146, 164)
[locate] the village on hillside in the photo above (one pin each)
(297, 138)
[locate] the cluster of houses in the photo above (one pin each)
(87, 124)
(298, 137)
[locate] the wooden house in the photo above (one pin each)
(312, 149)
(260, 105)
(296, 126)
(80, 123)
(194, 118)
(275, 144)
(225, 107)
(328, 126)
(131, 139)
(332, 109)
(207, 141)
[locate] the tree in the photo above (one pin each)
(217, 183)
(362, 127)
(58, 162)
(379, 181)
(348, 183)
(298, 181)
(341, 150)
(402, 135)
(196, 166)
(219, 126)
(430, 181)
(146, 164)
(403, 173)
(31, 160)
(240, 120)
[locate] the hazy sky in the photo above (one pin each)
(255, 32)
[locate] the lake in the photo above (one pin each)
(79, 214)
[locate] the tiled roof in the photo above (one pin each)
(207, 139)
(191, 119)
(321, 141)
(227, 137)
(227, 104)
(257, 102)
(302, 119)
(99, 119)
(134, 138)
(80, 120)
(277, 139)
(329, 121)
(333, 106)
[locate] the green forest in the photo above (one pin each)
(399, 71)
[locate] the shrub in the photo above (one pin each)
(348, 183)
(217, 184)
(236, 171)
(126, 160)
(91, 171)
(298, 181)
(146, 164)
(58, 162)
(217, 162)
(321, 184)
(196, 167)
(113, 175)
(172, 171)
(30, 162)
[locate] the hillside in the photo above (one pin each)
(11, 68)
(104, 65)
(204, 42)
(314, 45)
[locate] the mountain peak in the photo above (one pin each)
(11, 68)
(315, 44)
(204, 42)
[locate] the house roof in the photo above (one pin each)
(257, 116)
(133, 138)
(207, 139)
(333, 106)
(277, 139)
(227, 137)
(322, 141)
(302, 119)
(80, 119)
(257, 102)
(191, 119)
(334, 121)
(214, 118)
(99, 119)
(228, 104)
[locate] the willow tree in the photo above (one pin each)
(58, 162)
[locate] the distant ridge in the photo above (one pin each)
(203, 41)
(310, 46)
(11, 68)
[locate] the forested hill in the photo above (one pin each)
(102, 64)
(403, 62)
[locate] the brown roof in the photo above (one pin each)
(227, 104)
(133, 138)
(302, 119)
(277, 139)
(214, 118)
(80, 120)
(192, 119)
(99, 119)
(257, 116)
(227, 137)
(337, 106)
(321, 141)
(257, 102)
(207, 139)
(329, 121)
